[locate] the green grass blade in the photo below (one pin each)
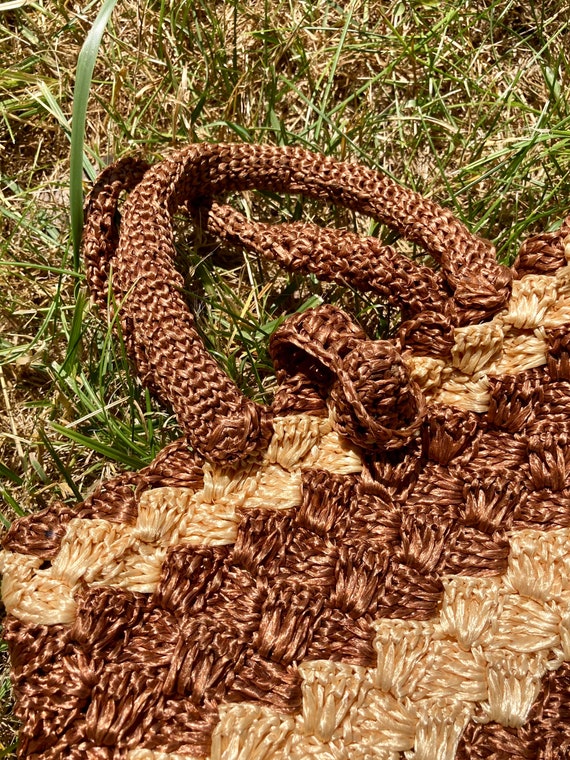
(75, 334)
(9, 474)
(333, 69)
(92, 443)
(59, 464)
(13, 504)
(78, 160)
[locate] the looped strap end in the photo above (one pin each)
(374, 402)
(236, 437)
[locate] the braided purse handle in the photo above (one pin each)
(158, 327)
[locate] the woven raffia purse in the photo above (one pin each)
(376, 566)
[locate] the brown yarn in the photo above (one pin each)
(543, 737)
(374, 400)
(155, 320)
(544, 253)
(39, 533)
(428, 334)
(115, 500)
(559, 353)
(101, 234)
(377, 564)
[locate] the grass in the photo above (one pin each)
(465, 102)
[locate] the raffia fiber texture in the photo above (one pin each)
(375, 567)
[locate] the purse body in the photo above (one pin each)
(377, 566)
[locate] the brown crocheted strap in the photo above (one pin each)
(333, 255)
(366, 383)
(468, 262)
(101, 233)
(160, 331)
(367, 265)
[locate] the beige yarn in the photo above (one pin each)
(102, 553)
(512, 342)
(483, 658)
(324, 561)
